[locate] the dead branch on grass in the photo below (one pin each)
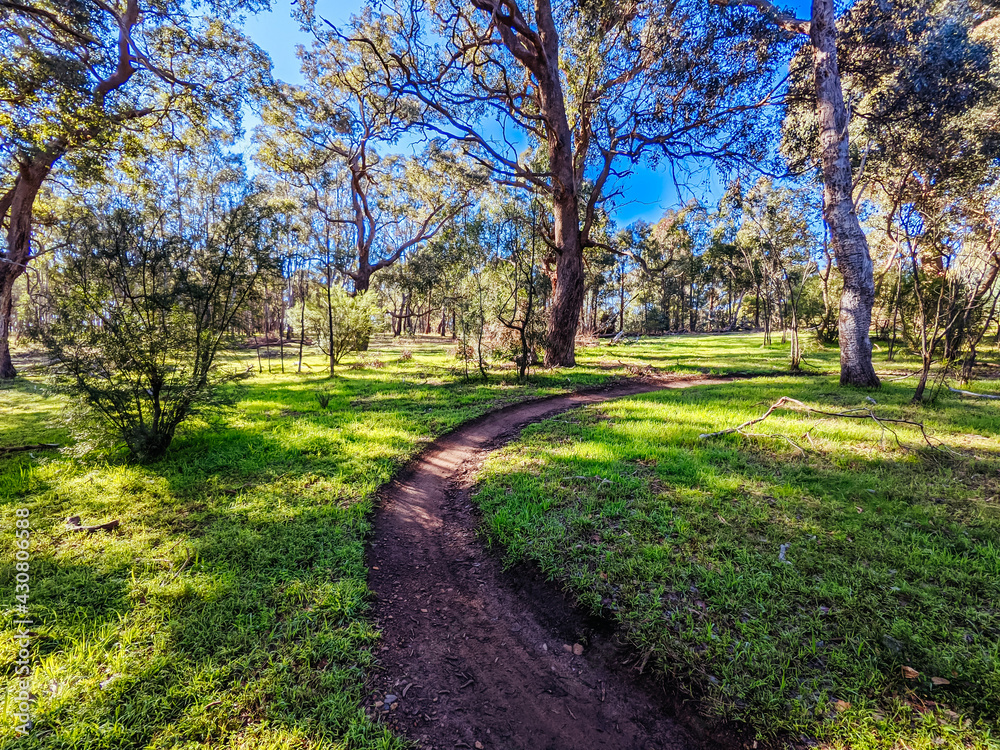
(972, 394)
(34, 447)
(862, 412)
(73, 524)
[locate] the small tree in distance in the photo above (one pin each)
(139, 317)
(342, 324)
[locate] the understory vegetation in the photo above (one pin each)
(815, 578)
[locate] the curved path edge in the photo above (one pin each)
(475, 656)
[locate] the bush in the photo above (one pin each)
(140, 315)
(341, 324)
(463, 353)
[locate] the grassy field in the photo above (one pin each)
(792, 587)
(229, 607)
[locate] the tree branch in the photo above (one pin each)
(782, 19)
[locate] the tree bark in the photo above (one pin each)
(7, 370)
(850, 247)
(18, 206)
(567, 297)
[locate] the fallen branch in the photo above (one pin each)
(971, 394)
(35, 447)
(786, 402)
(73, 524)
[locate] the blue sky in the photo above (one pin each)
(648, 192)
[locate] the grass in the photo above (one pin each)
(786, 590)
(230, 607)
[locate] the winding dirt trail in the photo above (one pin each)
(473, 656)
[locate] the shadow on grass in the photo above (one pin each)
(775, 584)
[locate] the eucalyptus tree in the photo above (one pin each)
(775, 240)
(333, 139)
(924, 87)
(832, 120)
(565, 99)
(75, 75)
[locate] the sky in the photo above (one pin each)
(648, 193)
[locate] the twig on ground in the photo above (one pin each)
(179, 570)
(35, 447)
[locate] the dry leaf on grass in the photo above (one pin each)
(910, 673)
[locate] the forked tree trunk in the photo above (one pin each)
(850, 247)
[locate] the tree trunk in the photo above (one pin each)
(17, 206)
(567, 296)
(567, 293)
(850, 247)
(7, 370)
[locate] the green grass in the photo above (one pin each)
(891, 556)
(230, 607)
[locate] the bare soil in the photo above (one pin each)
(475, 656)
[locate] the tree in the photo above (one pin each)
(139, 315)
(850, 246)
(518, 266)
(593, 87)
(77, 74)
(923, 93)
(330, 138)
(342, 323)
(774, 239)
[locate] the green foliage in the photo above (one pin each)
(341, 323)
(64, 83)
(138, 317)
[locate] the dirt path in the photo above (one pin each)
(474, 656)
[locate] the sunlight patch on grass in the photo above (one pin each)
(778, 586)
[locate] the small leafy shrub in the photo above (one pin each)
(323, 397)
(365, 362)
(406, 355)
(340, 323)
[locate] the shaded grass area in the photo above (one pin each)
(789, 591)
(228, 609)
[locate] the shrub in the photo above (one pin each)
(140, 315)
(341, 324)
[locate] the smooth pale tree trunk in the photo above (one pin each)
(850, 247)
